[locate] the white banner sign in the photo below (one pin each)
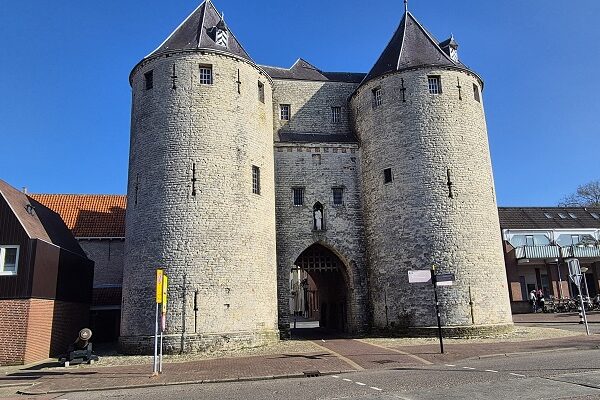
(419, 276)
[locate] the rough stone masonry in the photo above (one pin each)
(231, 162)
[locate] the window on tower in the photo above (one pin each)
(149, 80)
(284, 112)
(435, 84)
(206, 75)
(377, 97)
(387, 175)
(255, 179)
(476, 93)
(298, 196)
(261, 92)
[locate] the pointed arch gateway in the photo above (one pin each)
(322, 292)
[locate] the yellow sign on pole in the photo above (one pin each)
(164, 294)
(159, 285)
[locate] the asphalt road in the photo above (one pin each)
(555, 375)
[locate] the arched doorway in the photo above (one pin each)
(319, 284)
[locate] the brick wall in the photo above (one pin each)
(35, 329)
(13, 331)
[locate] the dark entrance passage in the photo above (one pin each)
(320, 289)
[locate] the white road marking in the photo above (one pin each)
(468, 368)
(450, 365)
(335, 376)
(361, 384)
(348, 380)
(519, 375)
(376, 388)
(490, 370)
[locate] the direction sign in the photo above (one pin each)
(419, 276)
(445, 279)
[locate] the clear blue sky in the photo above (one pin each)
(65, 102)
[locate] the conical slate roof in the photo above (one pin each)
(411, 46)
(198, 31)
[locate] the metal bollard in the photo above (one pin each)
(580, 315)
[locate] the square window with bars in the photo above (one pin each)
(255, 179)
(284, 112)
(149, 80)
(9, 260)
(336, 115)
(338, 196)
(298, 196)
(476, 93)
(206, 75)
(387, 175)
(377, 97)
(435, 84)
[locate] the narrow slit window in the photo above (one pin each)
(255, 179)
(435, 84)
(261, 92)
(387, 175)
(206, 75)
(298, 194)
(284, 112)
(336, 114)
(149, 80)
(476, 93)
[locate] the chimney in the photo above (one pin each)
(24, 190)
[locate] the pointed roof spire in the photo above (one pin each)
(405, 6)
(411, 46)
(198, 31)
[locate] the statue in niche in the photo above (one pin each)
(318, 216)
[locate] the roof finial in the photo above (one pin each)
(405, 5)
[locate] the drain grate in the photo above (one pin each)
(384, 362)
(311, 374)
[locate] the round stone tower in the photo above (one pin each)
(201, 193)
(428, 188)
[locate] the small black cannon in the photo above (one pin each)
(80, 351)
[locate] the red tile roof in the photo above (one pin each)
(88, 215)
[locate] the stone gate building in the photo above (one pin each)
(241, 175)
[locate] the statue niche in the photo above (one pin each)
(318, 217)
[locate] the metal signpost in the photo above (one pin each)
(426, 276)
(160, 319)
(575, 275)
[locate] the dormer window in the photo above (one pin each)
(222, 34)
(450, 47)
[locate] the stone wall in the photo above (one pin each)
(412, 222)
(310, 104)
(107, 255)
(218, 247)
(319, 168)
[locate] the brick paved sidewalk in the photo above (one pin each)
(90, 378)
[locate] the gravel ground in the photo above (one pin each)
(519, 334)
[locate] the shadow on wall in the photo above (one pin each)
(100, 224)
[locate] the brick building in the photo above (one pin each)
(45, 281)
(98, 224)
(538, 240)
